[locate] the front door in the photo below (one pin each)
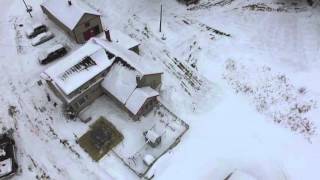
(91, 33)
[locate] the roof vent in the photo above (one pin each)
(69, 2)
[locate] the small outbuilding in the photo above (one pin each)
(148, 159)
(75, 18)
(152, 138)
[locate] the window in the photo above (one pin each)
(87, 24)
(154, 83)
(81, 101)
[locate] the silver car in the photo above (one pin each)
(41, 38)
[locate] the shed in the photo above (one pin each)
(142, 100)
(148, 159)
(78, 20)
(79, 68)
(152, 138)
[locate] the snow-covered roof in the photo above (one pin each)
(129, 57)
(44, 54)
(54, 48)
(148, 159)
(120, 82)
(139, 97)
(240, 175)
(79, 67)
(152, 136)
(122, 39)
(69, 15)
(5, 167)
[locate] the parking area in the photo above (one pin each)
(38, 36)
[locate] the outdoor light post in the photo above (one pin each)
(160, 24)
(160, 28)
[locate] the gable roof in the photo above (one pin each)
(139, 97)
(129, 57)
(67, 14)
(79, 67)
(122, 39)
(121, 83)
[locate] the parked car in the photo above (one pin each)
(35, 29)
(41, 38)
(8, 163)
(52, 53)
(188, 2)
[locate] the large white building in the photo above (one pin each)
(102, 67)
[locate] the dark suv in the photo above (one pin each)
(52, 54)
(36, 29)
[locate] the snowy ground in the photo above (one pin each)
(259, 115)
(133, 148)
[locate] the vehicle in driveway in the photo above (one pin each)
(52, 54)
(35, 29)
(41, 38)
(8, 163)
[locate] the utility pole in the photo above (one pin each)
(160, 29)
(27, 8)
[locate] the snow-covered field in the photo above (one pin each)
(242, 74)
